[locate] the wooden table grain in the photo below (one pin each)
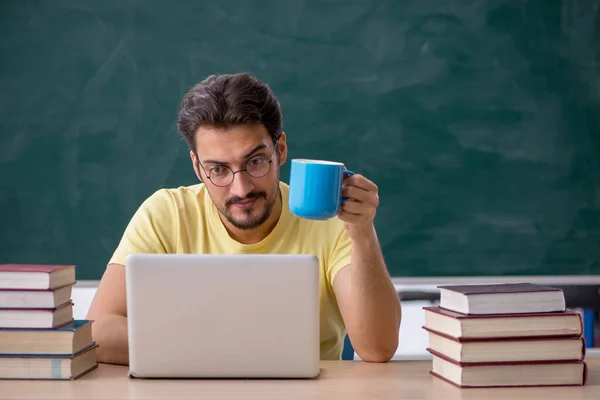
(346, 380)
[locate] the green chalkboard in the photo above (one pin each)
(479, 120)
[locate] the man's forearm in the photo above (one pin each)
(110, 333)
(374, 321)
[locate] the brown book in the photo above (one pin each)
(507, 350)
(461, 326)
(505, 298)
(509, 374)
(36, 276)
(36, 317)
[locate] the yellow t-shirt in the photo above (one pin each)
(185, 220)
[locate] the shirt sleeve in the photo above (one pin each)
(340, 253)
(151, 230)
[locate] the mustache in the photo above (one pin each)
(249, 196)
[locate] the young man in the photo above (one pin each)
(233, 127)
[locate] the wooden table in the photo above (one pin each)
(338, 380)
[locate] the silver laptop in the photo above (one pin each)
(223, 316)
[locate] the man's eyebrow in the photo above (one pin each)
(248, 154)
(214, 162)
(254, 150)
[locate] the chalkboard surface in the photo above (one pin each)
(479, 120)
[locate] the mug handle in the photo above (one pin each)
(346, 172)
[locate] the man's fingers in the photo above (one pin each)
(361, 195)
(361, 182)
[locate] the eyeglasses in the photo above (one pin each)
(256, 167)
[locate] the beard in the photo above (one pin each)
(254, 217)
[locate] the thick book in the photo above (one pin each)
(507, 350)
(62, 341)
(36, 276)
(461, 326)
(36, 317)
(66, 367)
(35, 298)
(505, 298)
(519, 374)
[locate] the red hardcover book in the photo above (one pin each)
(509, 374)
(35, 298)
(36, 276)
(36, 317)
(507, 349)
(505, 298)
(461, 326)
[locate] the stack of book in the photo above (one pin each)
(39, 339)
(505, 335)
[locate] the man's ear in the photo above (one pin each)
(282, 148)
(195, 162)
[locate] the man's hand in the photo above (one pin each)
(358, 211)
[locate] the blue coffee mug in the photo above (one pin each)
(316, 188)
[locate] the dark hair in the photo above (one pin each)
(223, 101)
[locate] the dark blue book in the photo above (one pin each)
(70, 366)
(64, 341)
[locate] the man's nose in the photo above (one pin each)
(241, 185)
